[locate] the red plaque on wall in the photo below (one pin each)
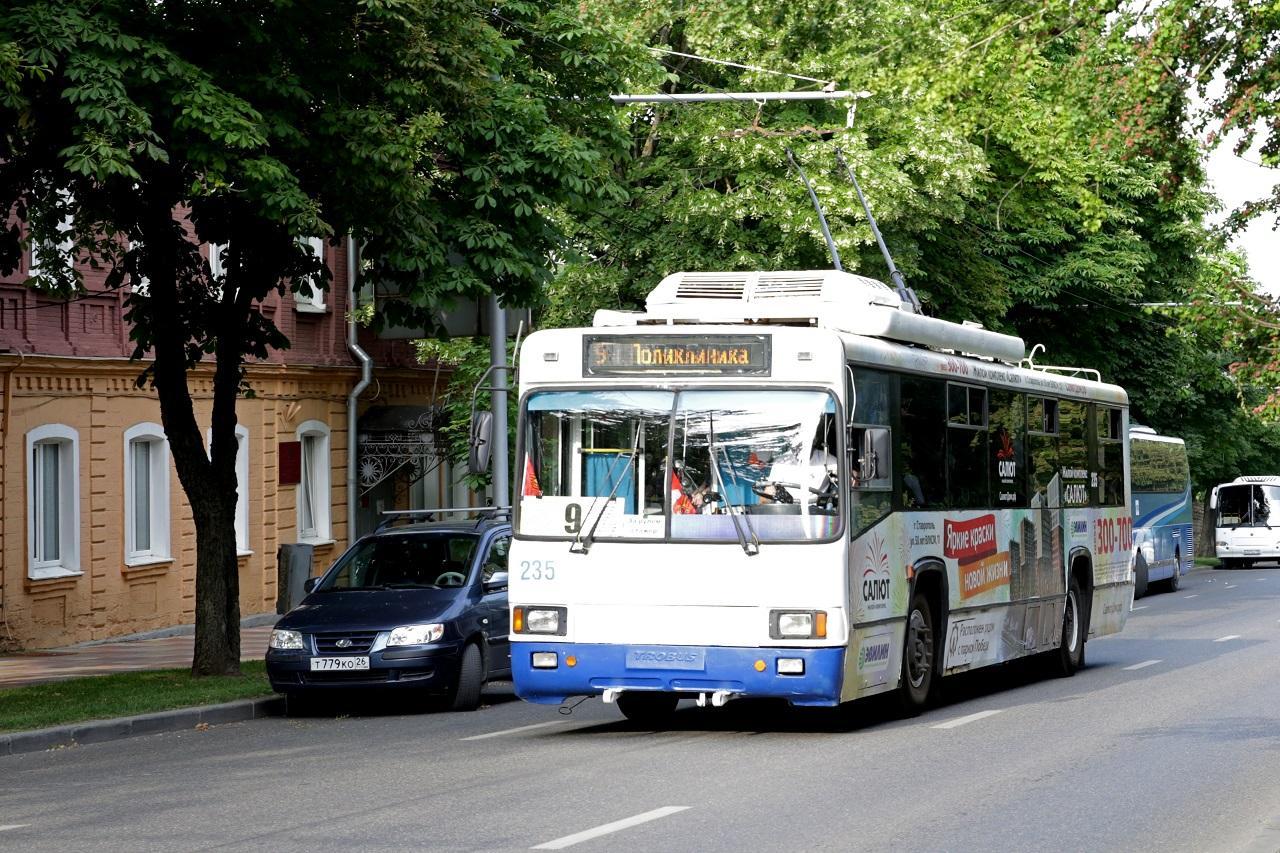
(290, 463)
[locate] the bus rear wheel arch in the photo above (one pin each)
(921, 645)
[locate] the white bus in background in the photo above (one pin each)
(791, 485)
(1246, 521)
(1160, 483)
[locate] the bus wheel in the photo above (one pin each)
(1175, 580)
(1070, 654)
(647, 708)
(918, 656)
(1139, 577)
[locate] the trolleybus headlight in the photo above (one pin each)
(798, 624)
(539, 620)
(545, 660)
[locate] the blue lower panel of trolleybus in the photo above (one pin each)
(801, 676)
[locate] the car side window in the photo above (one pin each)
(496, 559)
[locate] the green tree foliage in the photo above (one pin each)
(441, 134)
(1029, 165)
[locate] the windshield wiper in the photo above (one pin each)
(582, 544)
(750, 548)
(407, 586)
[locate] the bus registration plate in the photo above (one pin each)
(666, 658)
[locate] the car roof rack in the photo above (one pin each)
(411, 516)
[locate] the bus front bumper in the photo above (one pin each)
(586, 669)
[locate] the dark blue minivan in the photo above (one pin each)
(420, 606)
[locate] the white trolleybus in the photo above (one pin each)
(1246, 515)
(792, 485)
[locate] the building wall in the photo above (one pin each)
(100, 400)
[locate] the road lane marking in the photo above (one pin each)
(1192, 595)
(516, 730)
(1143, 665)
(1228, 637)
(960, 721)
(1231, 586)
(606, 829)
(1139, 607)
(5, 827)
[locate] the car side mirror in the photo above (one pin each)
(310, 584)
(496, 582)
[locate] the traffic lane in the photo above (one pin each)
(595, 769)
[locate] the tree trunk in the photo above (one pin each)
(209, 479)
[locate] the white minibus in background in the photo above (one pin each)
(1246, 521)
(793, 485)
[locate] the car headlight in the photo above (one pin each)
(797, 624)
(285, 640)
(415, 635)
(539, 620)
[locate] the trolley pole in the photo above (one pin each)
(501, 491)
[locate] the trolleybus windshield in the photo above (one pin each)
(697, 465)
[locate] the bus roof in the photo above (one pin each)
(1265, 479)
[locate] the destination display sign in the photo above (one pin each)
(735, 355)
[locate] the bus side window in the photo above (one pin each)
(1042, 447)
(922, 442)
(1110, 456)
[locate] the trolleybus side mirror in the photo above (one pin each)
(1213, 498)
(480, 443)
(874, 464)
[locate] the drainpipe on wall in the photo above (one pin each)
(353, 399)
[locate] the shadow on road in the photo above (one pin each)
(373, 702)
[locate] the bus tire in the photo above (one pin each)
(1139, 577)
(919, 651)
(465, 695)
(1070, 654)
(646, 708)
(1175, 580)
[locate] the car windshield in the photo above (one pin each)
(746, 465)
(403, 561)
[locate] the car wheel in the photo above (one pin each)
(1139, 577)
(466, 689)
(918, 653)
(1070, 654)
(647, 708)
(1175, 581)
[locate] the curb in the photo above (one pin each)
(101, 731)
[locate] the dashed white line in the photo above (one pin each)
(1231, 586)
(1192, 595)
(1139, 607)
(516, 730)
(606, 829)
(960, 721)
(5, 827)
(1143, 665)
(1228, 637)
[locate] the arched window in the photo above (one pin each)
(53, 501)
(146, 494)
(313, 485)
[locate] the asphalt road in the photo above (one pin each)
(1168, 740)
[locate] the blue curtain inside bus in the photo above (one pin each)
(605, 469)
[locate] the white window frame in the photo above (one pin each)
(67, 440)
(316, 302)
(216, 267)
(242, 488)
(62, 249)
(158, 492)
(314, 480)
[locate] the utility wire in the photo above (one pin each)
(741, 65)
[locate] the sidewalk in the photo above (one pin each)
(123, 656)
